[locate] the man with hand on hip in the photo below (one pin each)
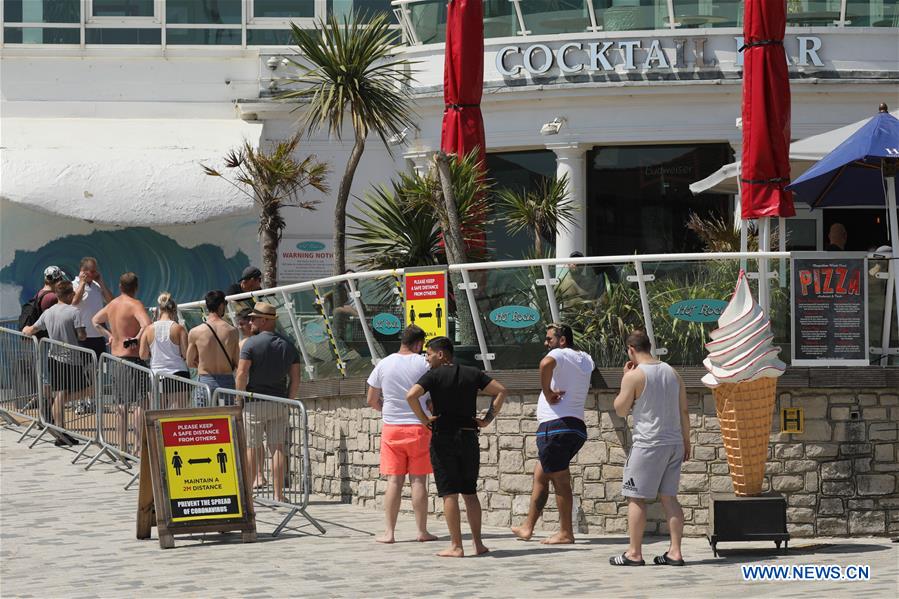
(565, 378)
(455, 453)
(405, 444)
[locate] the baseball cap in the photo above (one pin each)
(54, 273)
(251, 272)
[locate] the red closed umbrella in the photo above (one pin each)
(463, 78)
(766, 112)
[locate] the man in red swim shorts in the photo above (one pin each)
(405, 443)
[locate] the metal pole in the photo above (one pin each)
(644, 304)
(476, 320)
(892, 218)
(764, 246)
(288, 305)
(782, 246)
(549, 283)
(360, 312)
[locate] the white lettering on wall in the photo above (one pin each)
(563, 64)
(628, 48)
(597, 56)
(529, 59)
(657, 55)
(808, 48)
(501, 61)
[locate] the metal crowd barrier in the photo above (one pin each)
(126, 391)
(277, 464)
(175, 392)
(68, 393)
(20, 379)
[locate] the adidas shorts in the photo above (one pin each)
(652, 471)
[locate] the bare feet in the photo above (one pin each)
(452, 552)
(480, 549)
(386, 538)
(425, 537)
(523, 534)
(559, 538)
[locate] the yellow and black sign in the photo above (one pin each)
(792, 420)
(425, 292)
(193, 477)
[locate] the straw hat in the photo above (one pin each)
(264, 310)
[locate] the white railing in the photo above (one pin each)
(623, 291)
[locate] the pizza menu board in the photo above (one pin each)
(830, 311)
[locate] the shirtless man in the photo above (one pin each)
(122, 321)
(212, 347)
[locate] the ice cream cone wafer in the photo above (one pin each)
(744, 413)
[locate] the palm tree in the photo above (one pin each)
(400, 225)
(349, 69)
(273, 180)
(541, 211)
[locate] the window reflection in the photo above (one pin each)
(203, 11)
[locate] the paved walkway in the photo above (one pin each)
(67, 532)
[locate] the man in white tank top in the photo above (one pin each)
(656, 397)
(565, 378)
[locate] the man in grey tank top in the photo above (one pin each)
(655, 396)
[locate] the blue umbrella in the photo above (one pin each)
(853, 173)
(861, 171)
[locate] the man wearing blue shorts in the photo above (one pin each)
(565, 378)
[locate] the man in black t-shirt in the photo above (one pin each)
(455, 454)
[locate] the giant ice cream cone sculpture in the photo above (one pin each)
(742, 370)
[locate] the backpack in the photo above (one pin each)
(31, 311)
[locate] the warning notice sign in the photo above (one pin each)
(201, 469)
(426, 301)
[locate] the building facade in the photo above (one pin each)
(109, 107)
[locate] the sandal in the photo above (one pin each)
(664, 560)
(624, 560)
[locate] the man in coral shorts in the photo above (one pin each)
(405, 443)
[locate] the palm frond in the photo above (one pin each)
(348, 69)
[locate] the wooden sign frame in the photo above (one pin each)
(153, 502)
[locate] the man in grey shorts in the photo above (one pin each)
(654, 393)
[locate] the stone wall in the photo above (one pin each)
(840, 477)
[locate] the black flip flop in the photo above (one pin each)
(624, 560)
(664, 560)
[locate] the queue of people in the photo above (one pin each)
(428, 404)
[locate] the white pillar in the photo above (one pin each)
(571, 161)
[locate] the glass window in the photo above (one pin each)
(638, 197)
(516, 171)
(269, 37)
(123, 8)
(283, 8)
(203, 11)
(429, 20)
(365, 8)
(124, 36)
(202, 37)
(500, 19)
(41, 11)
(555, 16)
(41, 35)
(627, 15)
(812, 13)
(693, 14)
(872, 13)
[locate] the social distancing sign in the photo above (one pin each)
(191, 474)
(200, 468)
(426, 301)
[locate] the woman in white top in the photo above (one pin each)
(164, 344)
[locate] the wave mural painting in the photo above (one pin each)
(160, 262)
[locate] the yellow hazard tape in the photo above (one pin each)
(320, 302)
